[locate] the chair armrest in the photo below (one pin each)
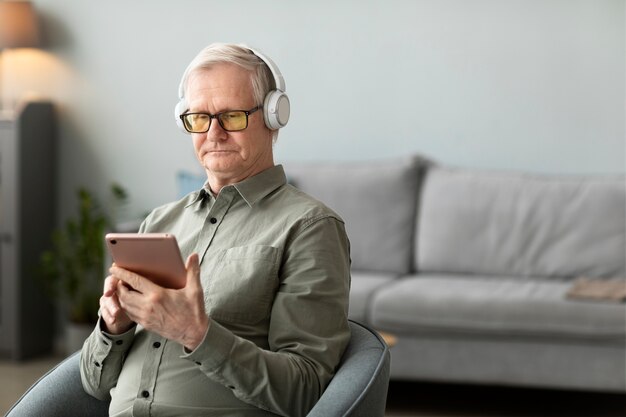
(359, 388)
(59, 393)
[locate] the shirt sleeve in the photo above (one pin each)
(308, 329)
(102, 357)
(101, 360)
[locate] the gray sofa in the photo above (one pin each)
(470, 269)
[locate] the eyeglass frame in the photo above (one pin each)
(217, 116)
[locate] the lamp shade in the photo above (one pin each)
(18, 25)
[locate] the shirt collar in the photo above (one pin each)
(197, 198)
(251, 189)
(256, 188)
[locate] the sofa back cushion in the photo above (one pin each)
(377, 201)
(526, 225)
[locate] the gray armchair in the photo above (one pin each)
(359, 387)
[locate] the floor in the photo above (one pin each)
(405, 398)
(448, 400)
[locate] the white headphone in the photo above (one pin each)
(276, 107)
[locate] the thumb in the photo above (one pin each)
(193, 270)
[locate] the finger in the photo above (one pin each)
(111, 303)
(107, 316)
(122, 290)
(135, 281)
(193, 270)
(115, 320)
(110, 284)
(109, 309)
(127, 298)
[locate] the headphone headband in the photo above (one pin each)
(278, 77)
(276, 106)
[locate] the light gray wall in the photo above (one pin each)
(526, 85)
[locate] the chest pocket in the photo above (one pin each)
(241, 287)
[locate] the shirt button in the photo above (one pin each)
(156, 345)
(97, 364)
(118, 342)
(198, 363)
(145, 394)
(213, 220)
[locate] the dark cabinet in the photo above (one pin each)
(27, 218)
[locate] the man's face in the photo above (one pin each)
(228, 157)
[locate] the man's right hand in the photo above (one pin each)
(113, 316)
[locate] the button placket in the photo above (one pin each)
(213, 219)
(153, 357)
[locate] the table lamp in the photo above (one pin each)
(18, 29)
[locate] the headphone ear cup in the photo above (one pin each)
(180, 108)
(276, 109)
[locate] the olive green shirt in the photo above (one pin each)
(275, 270)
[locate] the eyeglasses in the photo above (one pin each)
(230, 121)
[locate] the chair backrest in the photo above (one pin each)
(359, 388)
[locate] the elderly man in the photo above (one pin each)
(262, 322)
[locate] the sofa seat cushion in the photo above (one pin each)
(363, 286)
(503, 306)
(377, 200)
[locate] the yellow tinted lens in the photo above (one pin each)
(234, 120)
(197, 122)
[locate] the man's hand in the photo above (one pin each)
(114, 318)
(178, 315)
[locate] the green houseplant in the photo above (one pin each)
(73, 268)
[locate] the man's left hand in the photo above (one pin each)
(177, 315)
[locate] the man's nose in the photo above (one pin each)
(216, 131)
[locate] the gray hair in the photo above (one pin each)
(216, 53)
